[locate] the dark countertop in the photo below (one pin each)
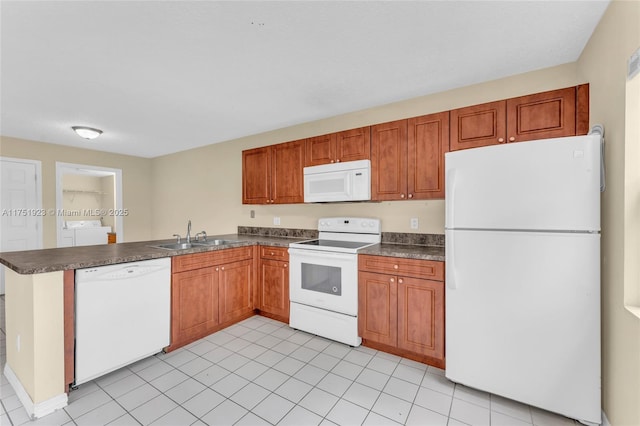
(406, 251)
(60, 259)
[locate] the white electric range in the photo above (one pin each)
(323, 279)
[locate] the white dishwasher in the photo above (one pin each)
(122, 314)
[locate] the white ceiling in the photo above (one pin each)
(164, 76)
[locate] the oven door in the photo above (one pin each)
(326, 280)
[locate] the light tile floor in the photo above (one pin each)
(261, 372)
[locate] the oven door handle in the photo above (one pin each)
(318, 254)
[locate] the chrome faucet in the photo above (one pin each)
(189, 232)
(201, 234)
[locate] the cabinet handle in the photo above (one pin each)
(222, 268)
(395, 266)
(217, 269)
(400, 281)
(401, 195)
(338, 160)
(332, 161)
(285, 265)
(500, 140)
(410, 195)
(392, 280)
(272, 253)
(512, 139)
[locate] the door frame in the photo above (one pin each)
(71, 168)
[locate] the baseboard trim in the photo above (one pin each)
(34, 411)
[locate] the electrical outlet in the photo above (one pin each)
(414, 223)
(276, 220)
(252, 214)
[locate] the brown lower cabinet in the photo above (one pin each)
(274, 283)
(401, 307)
(209, 291)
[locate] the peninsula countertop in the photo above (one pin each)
(59, 259)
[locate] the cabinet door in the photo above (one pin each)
(478, 125)
(274, 287)
(287, 183)
(256, 176)
(428, 140)
(542, 115)
(235, 290)
(354, 144)
(377, 308)
(320, 150)
(389, 161)
(421, 316)
(194, 304)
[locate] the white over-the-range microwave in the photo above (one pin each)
(347, 181)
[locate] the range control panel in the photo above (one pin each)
(353, 225)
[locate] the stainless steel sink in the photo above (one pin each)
(175, 246)
(194, 244)
(213, 242)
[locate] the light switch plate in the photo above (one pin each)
(414, 223)
(276, 220)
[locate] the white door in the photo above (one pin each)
(20, 207)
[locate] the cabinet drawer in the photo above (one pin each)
(188, 262)
(418, 268)
(233, 254)
(272, 252)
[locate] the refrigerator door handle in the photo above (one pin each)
(602, 180)
(450, 194)
(598, 129)
(449, 250)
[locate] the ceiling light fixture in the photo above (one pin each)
(87, 132)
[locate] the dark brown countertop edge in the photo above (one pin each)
(60, 259)
(408, 251)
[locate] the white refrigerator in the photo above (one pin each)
(523, 272)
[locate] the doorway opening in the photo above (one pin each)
(88, 194)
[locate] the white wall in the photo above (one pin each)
(603, 63)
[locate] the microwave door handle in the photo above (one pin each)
(347, 183)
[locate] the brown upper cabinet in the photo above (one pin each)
(556, 113)
(273, 174)
(389, 161)
(348, 145)
(407, 158)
